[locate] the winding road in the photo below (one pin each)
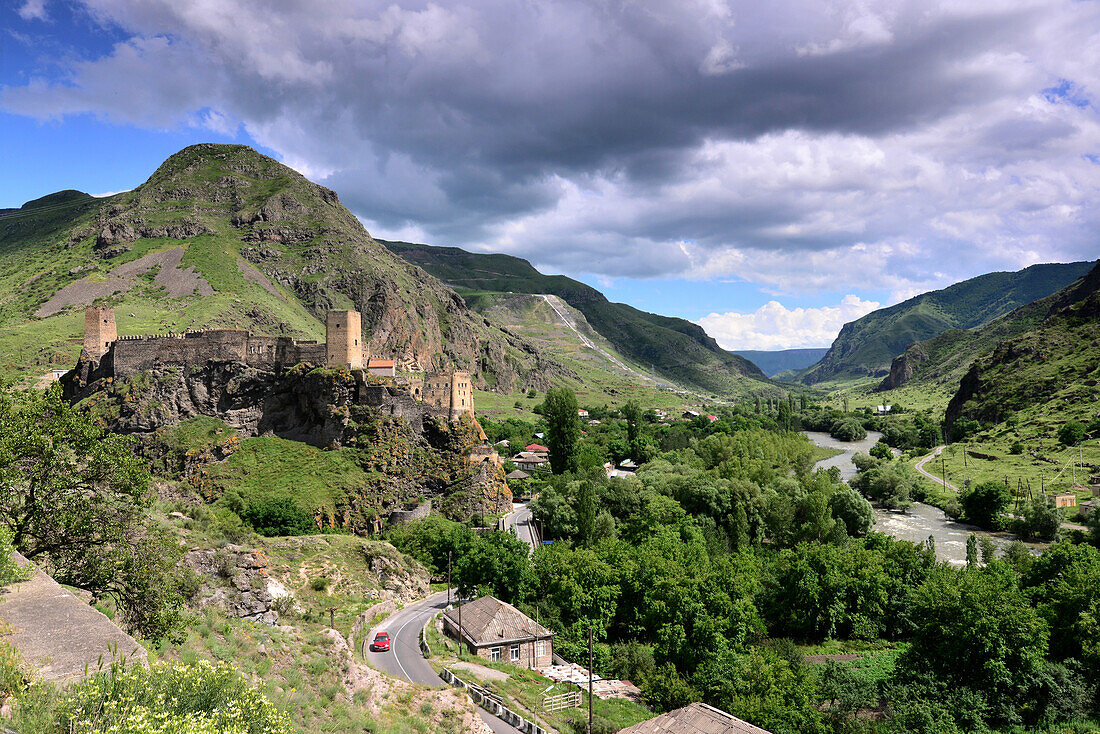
(919, 466)
(405, 661)
(520, 522)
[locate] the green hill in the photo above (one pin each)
(676, 349)
(1052, 368)
(221, 236)
(782, 360)
(867, 346)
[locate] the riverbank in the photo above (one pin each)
(922, 520)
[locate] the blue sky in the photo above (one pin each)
(767, 170)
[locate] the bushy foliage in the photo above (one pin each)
(1072, 433)
(165, 699)
(983, 503)
(273, 516)
(848, 429)
(888, 482)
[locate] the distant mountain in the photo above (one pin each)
(782, 360)
(221, 236)
(677, 349)
(867, 346)
(1051, 367)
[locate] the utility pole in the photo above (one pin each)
(943, 470)
(448, 578)
(589, 679)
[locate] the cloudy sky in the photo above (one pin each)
(769, 170)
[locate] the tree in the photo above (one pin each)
(881, 451)
(971, 551)
(854, 511)
(1039, 519)
(984, 502)
(977, 634)
(848, 429)
(1072, 433)
(73, 498)
(586, 511)
(632, 412)
(563, 428)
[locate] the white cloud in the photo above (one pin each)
(773, 326)
(33, 10)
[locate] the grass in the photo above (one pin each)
(272, 467)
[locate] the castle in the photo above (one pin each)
(448, 393)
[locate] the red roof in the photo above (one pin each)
(536, 447)
(379, 363)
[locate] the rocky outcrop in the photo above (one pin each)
(236, 580)
(903, 367)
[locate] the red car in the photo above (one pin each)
(381, 643)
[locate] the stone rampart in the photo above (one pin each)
(417, 513)
(133, 354)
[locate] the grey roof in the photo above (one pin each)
(517, 474)
(488, 620)
(696, 718)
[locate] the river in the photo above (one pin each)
(920, 520)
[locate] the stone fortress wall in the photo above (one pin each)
(446, 394)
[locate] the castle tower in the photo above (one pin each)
(344, 339)
(99, 331)
(462, 395)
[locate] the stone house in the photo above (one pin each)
(381, 367)
(499, 632)
(1065, 499)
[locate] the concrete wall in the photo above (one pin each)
(418, 513)
(344, 339)
(99, 330)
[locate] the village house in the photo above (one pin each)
(529, 461)
(581, 412)
(1064, 499)
(499, 632)
(695, 718)
(535, 448)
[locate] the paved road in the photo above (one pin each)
(520, 522)
(938, 480)
(405, 661)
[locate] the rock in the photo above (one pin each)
(180, 516)
(115, 233)
(247, 595)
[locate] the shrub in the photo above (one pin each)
(270, 516)
(1016, 448)
(983, 503)
(198, 698)
(848, 429)
(1072, 433)
(881, 451)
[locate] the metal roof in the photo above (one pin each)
(488, 620)
(696, 718)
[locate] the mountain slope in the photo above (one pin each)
(677, 349)
(223, 236)
(782, 360)
(868, 345)
(1054, 366)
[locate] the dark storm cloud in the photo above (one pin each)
(645, 139)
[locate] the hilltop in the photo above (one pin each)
(1052, 366)
(675, 349)
(222, 236)
(867, 346)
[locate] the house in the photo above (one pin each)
(712, 418)
(883, 409)
(535, 448)
(1064, 499)
(695, 718)
(497, 631)
(582, 412)
(611, 471)
(628, 465)
(518, 475)
(593, 422)
(690, 415)
(529, 462)
(381, 367)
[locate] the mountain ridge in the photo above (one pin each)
(868, 345)
(676, 348)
